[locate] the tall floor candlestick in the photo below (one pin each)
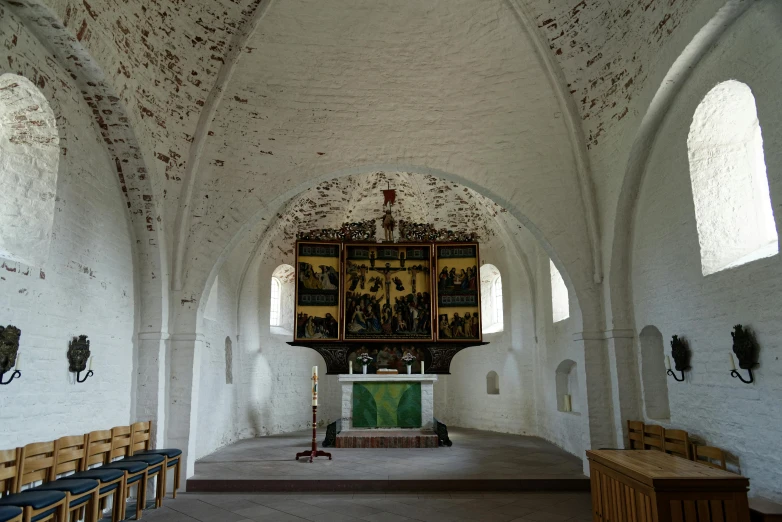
(314, 452)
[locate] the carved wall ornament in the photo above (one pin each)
(681, 357)
(364, 230)
(9, 351)
(78, 354)
(425, 232)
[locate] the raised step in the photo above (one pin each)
(387, 439)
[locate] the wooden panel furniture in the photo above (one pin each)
(677, 442)
(653, 437)
(652, 486)
(763, 510)
(709, 455)
(635, 432)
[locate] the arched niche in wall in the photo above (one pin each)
(567, 384)
(730, 191)
(229, 361)
(29, 158)
(281, 299)
(491, 299)
(653, 375)
(492, 383)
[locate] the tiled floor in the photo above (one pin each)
(474, 455)
(357, 507)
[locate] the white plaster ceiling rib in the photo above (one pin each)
(190, 179)
(678, 74)
(111, 123)
(567, 104)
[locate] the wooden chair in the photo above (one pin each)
(99, 445)
(653, 437)
(708, 454)
(37, 462)
(142, 439)
(72, 457)
(635, 432)
(677, 442)
(10, 514)
(44, 506)
(136, 471)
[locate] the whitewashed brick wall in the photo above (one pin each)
(85, 286)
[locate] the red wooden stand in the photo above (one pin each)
(314, 452)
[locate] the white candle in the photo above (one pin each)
(91, 363)
(18, 361)
(732, 362)
(568, 404)
(314, 385)
(350, 367)
(668, 362)
(422, 367)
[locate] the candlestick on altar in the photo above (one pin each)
(732, 363)
(314, 452)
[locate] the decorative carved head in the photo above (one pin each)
(9, 346)
(78, 354)
(681, 354)
(745, 347)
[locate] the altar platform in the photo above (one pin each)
(477, 461)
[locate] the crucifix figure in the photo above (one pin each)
(414, 270)
(387, 271)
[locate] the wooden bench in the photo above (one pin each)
(763, 510)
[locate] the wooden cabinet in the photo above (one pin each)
(652, 486)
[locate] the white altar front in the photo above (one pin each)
(427, 394)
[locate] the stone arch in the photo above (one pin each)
(491, 299)
(567, 386)
(29, 159)
(492, 383)
(653, 376)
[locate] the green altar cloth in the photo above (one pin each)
(387, 404)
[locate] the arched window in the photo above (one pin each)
(653, 375)
(492, 383)
(730, 192)
(210, 311)
(29, 158)
(274, 309)
(567, 386)
(281, 301)
(560, 304)
(491, 299)
(229, 361)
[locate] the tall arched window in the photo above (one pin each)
(274, 309)
(730, 192)
(281, 301)
(491, 299)
(560, 304)
(29, 158)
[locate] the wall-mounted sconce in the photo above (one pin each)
(681, 358)
(9, 352)
(746, 349)
(78, 354)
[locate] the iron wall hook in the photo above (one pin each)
(672, 374)
(735, 374)
(86, 376)
(17, 373)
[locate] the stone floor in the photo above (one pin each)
(474, 455)
(357, 507)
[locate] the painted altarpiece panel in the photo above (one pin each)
(458, 299)
(317, 291)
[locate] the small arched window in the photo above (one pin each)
(281, 299)
(274, 310)
(29, 158)
(560, 303)
(730, 192)
(491, 299)
(492, 383)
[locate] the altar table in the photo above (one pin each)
(652, 486)
(387, 401)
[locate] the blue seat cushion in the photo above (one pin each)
(34, 499)
(100, 474)
(168, 452)
(9, 512)
(109, 488)
(131, 466)
(41, 516)
(72, 486)
(149, 458)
